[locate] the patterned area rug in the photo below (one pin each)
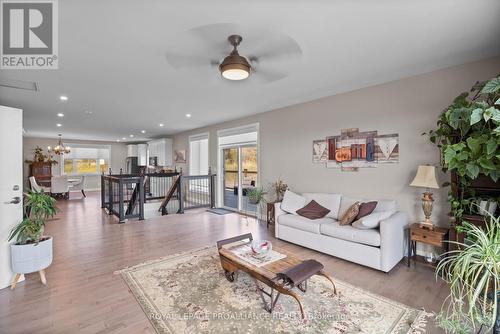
(188, 293)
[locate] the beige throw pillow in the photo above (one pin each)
(350, 214)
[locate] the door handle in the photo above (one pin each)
(15, 200)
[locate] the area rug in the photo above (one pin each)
(220, 211)
(188, 293)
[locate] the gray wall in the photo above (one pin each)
(408, 107)
(118, 156)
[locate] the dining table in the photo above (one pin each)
(47, 182)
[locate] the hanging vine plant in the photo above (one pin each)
(468, 137)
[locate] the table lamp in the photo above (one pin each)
(426, 178)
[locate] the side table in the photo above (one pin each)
(435, 237)
(270, 213)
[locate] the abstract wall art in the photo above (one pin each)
(353, 149)
(320, 151)
(180, 156)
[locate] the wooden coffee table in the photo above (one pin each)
(265, 274)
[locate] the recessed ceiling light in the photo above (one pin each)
(63, 98)
(131, 136)
(161, 124)
(60, 114)
(188, 115)
(58, 125)
(143, 131)
(88, 112)
(124, 138)
(118, 140)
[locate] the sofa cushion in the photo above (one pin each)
(365, 209)
(302, 223)
(329, 201)
(372, 220)
(292, 202)
(346, 203)
(350, 214)
(386, 205)
(382, 205)
(366, 237)
(313, 210)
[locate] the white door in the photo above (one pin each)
(11, 184)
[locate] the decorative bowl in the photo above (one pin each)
(261, 248)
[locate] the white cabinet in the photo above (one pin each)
(131, 151)
(162, 150)
(142, 154)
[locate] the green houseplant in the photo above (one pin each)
(468, 136)
(473, 272)
(255, 195)
(32, 251)
(38, 208)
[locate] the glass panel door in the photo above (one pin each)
(231, 179)
(248, 177)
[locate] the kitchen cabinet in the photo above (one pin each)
(142, 154)
(132, 151)
(162, 150)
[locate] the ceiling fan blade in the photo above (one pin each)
(214, 35)
(180, 60)
(274, 47)
(268, 75)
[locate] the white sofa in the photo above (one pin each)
(379, 248)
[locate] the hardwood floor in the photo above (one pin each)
(83, 295)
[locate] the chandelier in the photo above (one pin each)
(59, 148)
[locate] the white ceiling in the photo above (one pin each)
(112, 59)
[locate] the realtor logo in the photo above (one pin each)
(29, 34)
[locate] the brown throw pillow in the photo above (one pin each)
(350, 214)
(365, 209)
(313, 210)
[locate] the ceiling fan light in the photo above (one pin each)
(235, 74)
(235, 67)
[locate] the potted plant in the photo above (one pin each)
(473, 272)
(255, 195)
(279, 187)
(487, 206)
(32, 251)
(38, 156)
(468, 137)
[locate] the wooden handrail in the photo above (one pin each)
(170, 194)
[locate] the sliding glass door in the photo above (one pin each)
(231, 177)
(248, 176)
(240, 173)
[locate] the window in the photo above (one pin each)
(198, 154)
(86, 159)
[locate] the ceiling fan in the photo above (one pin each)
(266, 56)
(234, 66)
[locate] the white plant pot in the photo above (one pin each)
(31, 258)
(486, 207)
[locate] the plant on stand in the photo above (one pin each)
(38, 156)
(279, 188)
(473, 272)
(256, 197)
(468, 137)
(32, 251)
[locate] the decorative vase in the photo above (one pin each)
(260, 248)
(486, 207)
(253, 200)
(31, 258)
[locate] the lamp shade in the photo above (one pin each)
(425, 178)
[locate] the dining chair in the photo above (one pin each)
(60, 185)
(81, 185)
(36, 187)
